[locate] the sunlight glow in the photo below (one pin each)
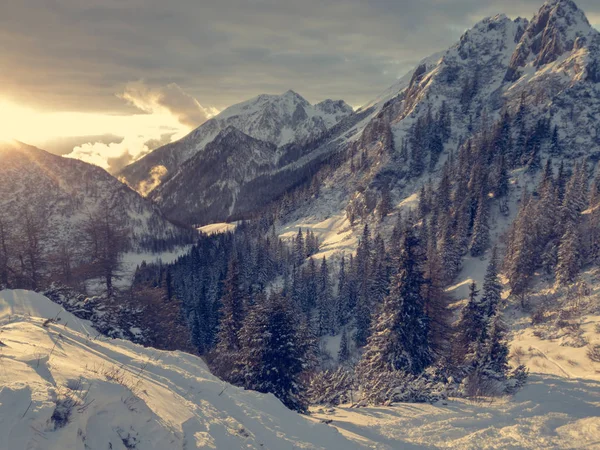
(25, 124)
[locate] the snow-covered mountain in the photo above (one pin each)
(200, 190)
(62, 192)
(64, 388)
(276, 119)
(237, 175)
(549, 66)
(543, 69)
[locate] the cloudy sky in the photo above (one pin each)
(115, 78)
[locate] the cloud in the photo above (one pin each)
(113, 156)
(63, 145)
(169, 98)
(156, 175)
(165, 105)
(75, 54)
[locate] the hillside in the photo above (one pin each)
(62, 192)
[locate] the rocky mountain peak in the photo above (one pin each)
(558, 27)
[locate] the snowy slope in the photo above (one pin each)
(275, 119)
(124, 396)
(550, 412)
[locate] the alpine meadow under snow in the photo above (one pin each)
(422, 272)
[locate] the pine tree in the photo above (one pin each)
(569, 256)
(520, 259)
(450, 252)
(299, 250)
(575, 197)
(555, 147)
(310, 287)
(472, 320)
(561, 181)
(342, 303)
(274, 354)
(481, 229)
(325, 304)
(232, 318)
(401, 334)
(344, 352)
(362, 319)
(492, 289)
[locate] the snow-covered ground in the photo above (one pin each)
(216, 228)
(124, 396)
(551, 412)
(121, 395)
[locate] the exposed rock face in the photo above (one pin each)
(557, 28)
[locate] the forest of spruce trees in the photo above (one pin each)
(257, 306)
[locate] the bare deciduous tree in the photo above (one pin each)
(105, 239)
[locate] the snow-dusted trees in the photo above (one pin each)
(400, 341)
(548, 230)
(480, 345)
(520, 255)
(344, 351)
(232, 315)
(364, 304)
(569, 256)
(326, 321)
(299, 250)
(481, 228)
(275, 352)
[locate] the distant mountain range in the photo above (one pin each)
(276, 119)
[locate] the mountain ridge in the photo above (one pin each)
(278, 119)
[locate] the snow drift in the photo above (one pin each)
(63, 387)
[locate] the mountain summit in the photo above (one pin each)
(276, 119)
(559, 27)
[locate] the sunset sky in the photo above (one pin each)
(108, 80)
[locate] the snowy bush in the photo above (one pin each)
(398, 386)
(72, 397)
(594, 353)
(331, 387)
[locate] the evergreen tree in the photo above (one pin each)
(561, 181)
(450, 252)
(401, 334)
(520, 260)
(344, 352)
(299, 250)
(362, 318)
(492, 289)
(569, 256)
(342, 304)
(481, 228)
(325, 304)
(555, 147)
(232, 318)
(472, 320)
(274, 354)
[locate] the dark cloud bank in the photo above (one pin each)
(78, 54)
